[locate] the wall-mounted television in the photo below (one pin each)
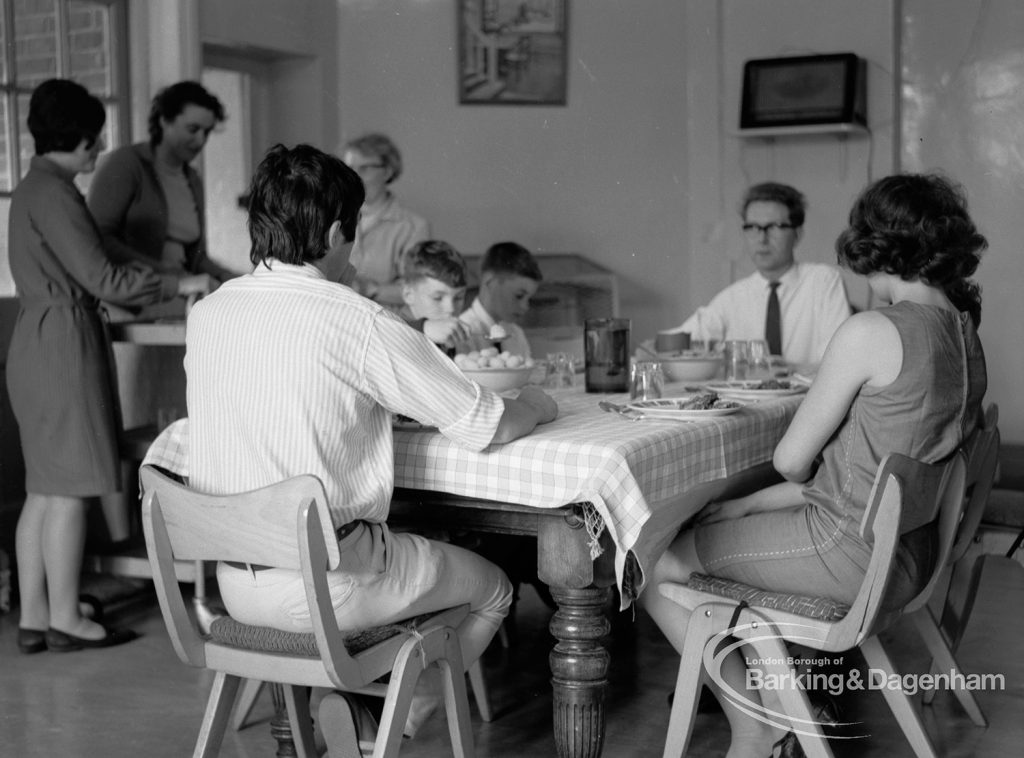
(804, 91)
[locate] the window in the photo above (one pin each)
(84, 40)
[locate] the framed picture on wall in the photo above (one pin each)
(512, 52)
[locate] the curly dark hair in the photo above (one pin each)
(169, 102)
(295, 196)
(916, 226)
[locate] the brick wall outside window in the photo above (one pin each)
(37, 56)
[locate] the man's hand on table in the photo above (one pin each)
(522, 414)
(546, 407)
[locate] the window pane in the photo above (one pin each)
(3, 47)
(89, 46)
(35, 43)
(6, 180)
(28, 145)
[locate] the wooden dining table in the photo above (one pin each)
(603, 495)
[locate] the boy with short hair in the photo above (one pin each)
(434, 289)
(509, 277)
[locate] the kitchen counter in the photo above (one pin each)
(160, 332)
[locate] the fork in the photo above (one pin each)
(622, 410)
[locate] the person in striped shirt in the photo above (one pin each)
(290, 371)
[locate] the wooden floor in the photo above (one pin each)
(138, 700)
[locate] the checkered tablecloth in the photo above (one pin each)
(627, 470)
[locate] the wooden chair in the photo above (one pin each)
(252, 688)
(907, 496)
(288, 525)
(966, 561)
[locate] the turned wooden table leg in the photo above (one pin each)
(579, 671)
(280, 726)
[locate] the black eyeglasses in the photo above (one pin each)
(366, 168)
(772, 228)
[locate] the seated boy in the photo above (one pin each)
(434, 289)
(509, 277)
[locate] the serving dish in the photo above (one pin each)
(698, 367)
(500, 379)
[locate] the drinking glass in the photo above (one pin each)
(646, 381)
(561, 372)
(736, 360)
(759, 362)
(606, 359)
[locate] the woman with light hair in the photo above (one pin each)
(386, 229)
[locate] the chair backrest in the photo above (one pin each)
(908, 500)
(272, 526)
(250, 527)
(982, 451)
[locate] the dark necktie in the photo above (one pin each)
(773, 321)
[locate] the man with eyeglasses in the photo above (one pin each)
(795, 306)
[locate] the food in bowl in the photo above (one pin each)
(499, 372)
(691, 367)
(489, 357)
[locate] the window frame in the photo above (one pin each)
(119, 102)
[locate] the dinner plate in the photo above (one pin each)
(668, 407)
(746, 390)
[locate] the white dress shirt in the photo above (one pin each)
(480, 322)
(291, 374)
(812, 303)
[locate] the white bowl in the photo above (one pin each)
(500, 379)
(696, 368)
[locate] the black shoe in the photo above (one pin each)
(62, 642)
(788, 747)
(31, 640)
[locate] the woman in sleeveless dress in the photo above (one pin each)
(906, 378)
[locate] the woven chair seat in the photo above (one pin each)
(824, 608)
(227, 631)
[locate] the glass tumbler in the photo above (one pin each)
(561, 372)
(606, 359)
(759, 362)
(646, 381)
(736, 360)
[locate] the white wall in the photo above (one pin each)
(637, 171)
(964, 114)
(604, 176)
(829, 170)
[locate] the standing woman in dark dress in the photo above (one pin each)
(58, 368)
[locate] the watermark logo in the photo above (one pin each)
(779, 680)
